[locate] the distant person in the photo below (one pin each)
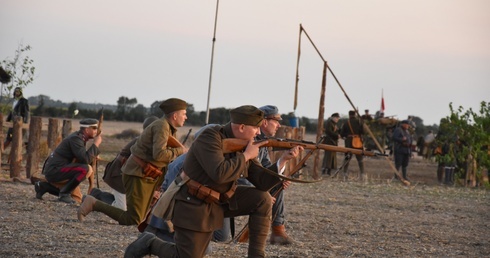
(366, 117)
(144, 170)
(351, 129)
(332, 137)
(20, 107)
(403, 151)
(69, 164)
(113, 175)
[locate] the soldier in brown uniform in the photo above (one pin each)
(144, 170)
(212, 193)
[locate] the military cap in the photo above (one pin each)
(405, 122)
(88, 122)
(149, 120)
(352, 113)
(335, 115)
(173, 104)
(271, 112)
(247, 115)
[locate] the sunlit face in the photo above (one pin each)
(270, 127)
(248, 132)
(179, 117)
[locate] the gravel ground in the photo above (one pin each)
(331, 218)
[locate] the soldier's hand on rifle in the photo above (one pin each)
(252, 150)
(285, 184)
(287, 155)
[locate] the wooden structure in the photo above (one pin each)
(33, 146)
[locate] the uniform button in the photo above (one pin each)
(241, 175)
(188, 198)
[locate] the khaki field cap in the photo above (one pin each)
(173, 104)
(247, 115)
(88, 122)
(271, 112)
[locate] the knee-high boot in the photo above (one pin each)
(404, 173)
(258, 231)
(65, 191)
(45, 187)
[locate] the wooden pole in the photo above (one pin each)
(16, 147)
(35, 129)
(67, 128)
(53, 133)
(321, 118)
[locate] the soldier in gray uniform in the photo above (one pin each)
(69, 163)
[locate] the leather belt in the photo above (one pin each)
(205, 193)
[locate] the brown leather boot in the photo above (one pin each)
(279, 236)
(86, 207)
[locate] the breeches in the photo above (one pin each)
(401, 160)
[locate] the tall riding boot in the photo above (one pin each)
(404, 173)
(45, 187)
(65, 191)
(259, 228)
(141, 246)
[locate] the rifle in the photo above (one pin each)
(94, 162)
(234, 144)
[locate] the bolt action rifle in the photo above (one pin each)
(235, 144)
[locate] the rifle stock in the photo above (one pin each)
(173, 142)
(234, 144)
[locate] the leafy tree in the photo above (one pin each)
(138, 113)
(155, 109)
(467, 135)
(22, 71)
(124, 104)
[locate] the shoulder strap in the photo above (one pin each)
(352, 131)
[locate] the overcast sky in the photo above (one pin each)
(423, 54)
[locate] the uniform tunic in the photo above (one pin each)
(151, 147)
(70, 159)
(206, 163)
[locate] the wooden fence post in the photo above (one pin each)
(53, 132)
(35, 129)
(66, 130)
(16, 147)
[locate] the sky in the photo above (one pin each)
(419, 55)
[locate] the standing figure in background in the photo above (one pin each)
(429, 145)
(20, 107)
(353, 127)
(332, 137)
(403, 150)
(366, 117)
(69, 164)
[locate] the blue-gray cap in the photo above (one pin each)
(271, 112)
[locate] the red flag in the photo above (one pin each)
(382, 103)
